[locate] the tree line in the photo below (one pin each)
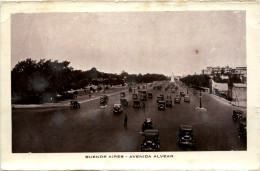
(38, 82)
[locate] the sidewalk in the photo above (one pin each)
(242, 104)
(66, 103)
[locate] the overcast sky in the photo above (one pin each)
(137, 42)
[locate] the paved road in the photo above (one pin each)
(95, 129)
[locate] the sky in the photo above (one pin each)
(137, 42)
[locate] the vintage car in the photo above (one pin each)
(134, 96)
(103, 99)
(74, 104)
(117, 108)
(182, 94)
(238, 115)
(143, 97)
(122, 94)
(186, 136)
(186, 98)
(161, 105)
(242, 131)
(147, 124)
(150, 95)
(172, 91)
(151, 140)
(136, 104)
(168, 102)
(123, 102)
(177, 99)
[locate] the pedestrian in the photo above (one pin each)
(125, 120)
(143, 105)
(89, 95)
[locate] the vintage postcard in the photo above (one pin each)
(130, 85)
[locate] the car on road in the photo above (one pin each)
(242, 131)
(151, 140)
(187, 98)
(177, 99)
(182, 94)
(172, 91)
(74, 104)
(238, 115)
(186, 135)
(130, 90)
(122, 94)
(136, 104)
(161, 105)
(134, 96)
(143, 97)
(147, 124)
(103, 99)
(150, 95)
(123, 102)
(117, 108)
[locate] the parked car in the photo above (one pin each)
(161, 105)
(151, 140)
(103, 99)
(186, 135)
(74, 104)
(177, 99)
(238, 115)
(117, 108)
(123, 102)
(187, 98)
(242, 130)
(182, 94)
(147, 124)
(122, 94)
(136, 104)
(134, 96)
(150, 95)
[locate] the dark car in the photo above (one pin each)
(147, 124)
(151, 140)
(123, 102)
(134, 96)
(242, 131)
(238, 115)
(186, 135)
(143, 97)
(74, 104)
(117, 108)
(182, 94)
(136, 104)
(177, 99)
(122, 94)
(168, 102)
(150, 95)
(103, 99)
(161, 105)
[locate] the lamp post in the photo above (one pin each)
(187, 90)
(200, 96)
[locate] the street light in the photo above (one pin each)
(200, 96)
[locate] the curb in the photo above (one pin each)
(57, 105)
(229, 102)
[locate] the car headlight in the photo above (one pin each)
(144, 143)
(153, 144)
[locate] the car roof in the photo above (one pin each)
(186, 127)
(148, 119)
(151, 132)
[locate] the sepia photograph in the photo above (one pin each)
(128, 81)
(129, 85)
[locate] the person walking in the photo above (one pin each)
(125, 120)
(143, 105)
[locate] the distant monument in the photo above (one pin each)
(172, 78)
